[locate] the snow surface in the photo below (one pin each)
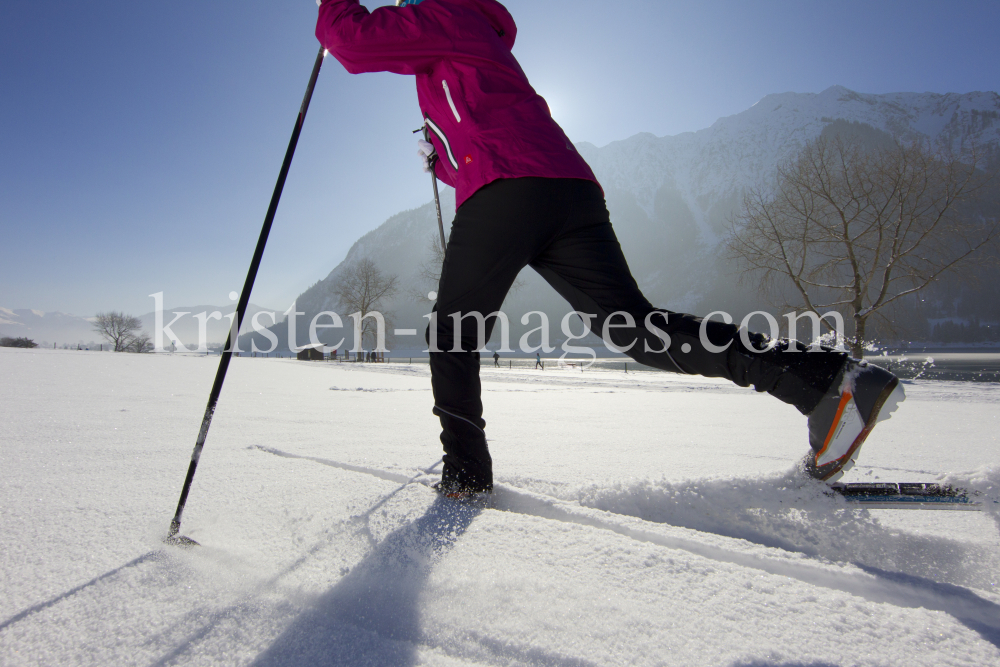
(641, 519)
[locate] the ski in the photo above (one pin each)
(908, 495)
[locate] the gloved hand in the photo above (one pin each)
(425, 150)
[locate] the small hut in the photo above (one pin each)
(311, 353)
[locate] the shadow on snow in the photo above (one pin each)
(371, 617)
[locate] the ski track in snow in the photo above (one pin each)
(869, 583)
(73, 591)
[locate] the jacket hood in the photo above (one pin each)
(498, 16)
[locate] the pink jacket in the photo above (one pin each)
(486, 120)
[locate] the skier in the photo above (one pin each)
(525, 197)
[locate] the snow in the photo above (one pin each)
(640, 519)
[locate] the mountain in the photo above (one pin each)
(188, 326)
(401, 246)
(670, 195)
(47, 329)
(54, 328)
(672, 198)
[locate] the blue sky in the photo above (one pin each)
(140, 142)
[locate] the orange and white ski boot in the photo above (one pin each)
(860, 397)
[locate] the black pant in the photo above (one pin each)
(562, 229)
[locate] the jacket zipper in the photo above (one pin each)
(444, 140)
(451, 102)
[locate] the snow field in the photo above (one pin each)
(641, 519)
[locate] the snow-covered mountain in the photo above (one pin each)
(401, 246)
(670, 195)
(47, 328)
(188, 324)
(61, 329)
(672, 198)
(709, 167)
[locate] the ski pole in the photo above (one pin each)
(227, 353)
(432, 161)
(437, 205)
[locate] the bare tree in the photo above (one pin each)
(123, 331)
(429, 273)
(141, 343)
(363, 288)
(855, 229)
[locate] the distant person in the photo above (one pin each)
(526, 197)
(496, 358)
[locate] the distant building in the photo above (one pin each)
(311, 353)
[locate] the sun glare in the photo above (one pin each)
(554, 108)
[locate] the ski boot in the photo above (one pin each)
(481, 497)
(860, 396)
